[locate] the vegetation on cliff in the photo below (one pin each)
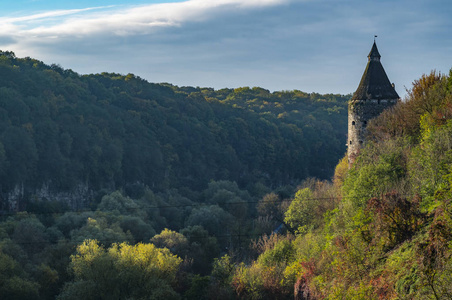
(382, 229)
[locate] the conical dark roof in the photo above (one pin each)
(374, 54)
(375, 83)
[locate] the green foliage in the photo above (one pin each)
(428, 96)
(266, 277)
(193, 244)
(12, 284)
(340, 172)
(108, 130)
(309, 245)
(203, 248)
(431, 161)
(101, 229)
(389, 236)
(248, 282)
(300, 211)
(198, 288)
(282, 253)
(380, 168)
(434, 254)
(122, 272)
(70, 221)
(213, 218)
(116, 202)
(227, 195)
(395, 218)
(271, 210)
(31, 233)
(223, 269)
(313, 199)
(176, 242)
(140, 230)
(221, 277)
(261, 282)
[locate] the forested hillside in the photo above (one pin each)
(171, 177)
(107, 131)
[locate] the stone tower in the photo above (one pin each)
(374, 94)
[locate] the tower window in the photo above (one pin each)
(350, 142)
(353, 122)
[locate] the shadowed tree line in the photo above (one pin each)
(107, 131)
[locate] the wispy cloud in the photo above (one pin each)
(121, 20)
(45, 15)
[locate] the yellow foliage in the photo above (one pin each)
(340, 172)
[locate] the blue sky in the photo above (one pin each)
(310, 45)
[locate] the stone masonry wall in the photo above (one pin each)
(360, 112)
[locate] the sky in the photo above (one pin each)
(309, 45)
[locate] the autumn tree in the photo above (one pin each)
(121, 272)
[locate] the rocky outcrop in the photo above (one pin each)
(77, 198)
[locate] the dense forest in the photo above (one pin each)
(128, 169)
(198, 193)
(107, 131)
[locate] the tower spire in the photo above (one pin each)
(374, 94)
(374, 83)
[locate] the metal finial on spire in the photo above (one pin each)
(375, 36)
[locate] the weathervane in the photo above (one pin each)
(375, 36)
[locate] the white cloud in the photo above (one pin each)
(119, 20)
